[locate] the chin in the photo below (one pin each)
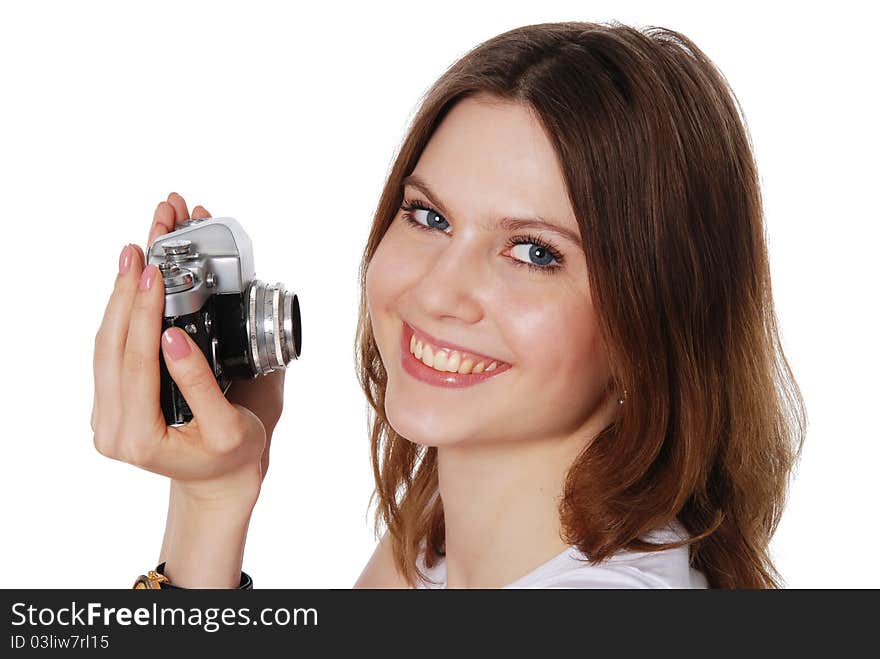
(426, 427)
(407, 421)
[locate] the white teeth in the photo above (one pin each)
(428, 356)
(446, 361)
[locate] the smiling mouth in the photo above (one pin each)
(445, 358)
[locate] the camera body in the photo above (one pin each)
(244, 327)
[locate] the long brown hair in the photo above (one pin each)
(660, 173)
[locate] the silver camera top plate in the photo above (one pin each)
(219, 257)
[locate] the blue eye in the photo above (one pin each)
(536, 253)
(539, 257)
(433, 220)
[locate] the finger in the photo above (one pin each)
(181, 215)
(143, 260)
(200, 212)
(163, 221)
(114, 325)
(264, 396)
(112, 333)
(110, 345)
(193, 375)
(142, 414)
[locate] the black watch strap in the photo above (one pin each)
(246, 582)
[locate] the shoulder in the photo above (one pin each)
(668, 568)
(599, 576)
(380, 571)
(661, 573)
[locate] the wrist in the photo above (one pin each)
(206, 532)
(205, 545)
(235, 492)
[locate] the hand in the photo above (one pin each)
(264, 396)
(223, 452)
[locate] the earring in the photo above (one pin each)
(621, 400)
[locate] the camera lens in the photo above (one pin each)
(273, 326)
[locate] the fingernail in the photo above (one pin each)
(124, 259)
(148, 276)
(175, 343)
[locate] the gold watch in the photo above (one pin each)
(152, 580)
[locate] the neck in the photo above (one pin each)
(501, 507)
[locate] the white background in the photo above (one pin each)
(286, 116)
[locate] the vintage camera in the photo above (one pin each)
(244, 327)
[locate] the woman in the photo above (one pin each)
(566, 336)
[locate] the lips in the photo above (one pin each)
(415, 368)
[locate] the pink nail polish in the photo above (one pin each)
(124, 259)
(175, 343)
(147, 278)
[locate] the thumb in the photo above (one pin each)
(191, 372)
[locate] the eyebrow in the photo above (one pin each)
(508, 223)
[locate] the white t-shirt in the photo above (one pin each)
(669, 568)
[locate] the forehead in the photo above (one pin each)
(493, 157)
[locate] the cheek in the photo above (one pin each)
(397, 266)
(561, 343)
(379, 285)
(384, 280)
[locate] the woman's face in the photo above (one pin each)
(457, 280)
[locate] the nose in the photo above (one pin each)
(452, 285)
